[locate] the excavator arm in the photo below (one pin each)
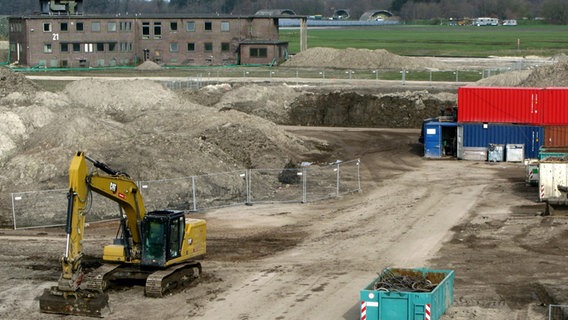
(116, 186)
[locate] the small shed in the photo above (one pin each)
(440, 139)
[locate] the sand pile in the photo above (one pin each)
(351, 58)
(148, 65)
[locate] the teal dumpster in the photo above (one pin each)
(408, 294)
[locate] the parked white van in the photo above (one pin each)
(484, 21)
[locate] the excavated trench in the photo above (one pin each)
(353, 109)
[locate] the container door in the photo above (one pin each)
(394, 308)
(432, 141)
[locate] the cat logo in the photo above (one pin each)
(112, 187)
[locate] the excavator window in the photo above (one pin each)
(176, 234)
(154, 241)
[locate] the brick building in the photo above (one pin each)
(61, 36)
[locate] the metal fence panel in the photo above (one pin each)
(173, 194)
(49, 208)
(557, 312)
(271, 185)
(221, 189)
(320, 182)
(246, 186)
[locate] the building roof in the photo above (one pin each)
(275, 12)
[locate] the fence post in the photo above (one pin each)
(337, 179)
(358, 175)
(194, 200)
(304, 175)
(13, 211)
(248, 176)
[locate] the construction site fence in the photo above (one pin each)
(308, 183)
(196, 78)
(557, 312)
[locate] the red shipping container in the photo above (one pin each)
(555, 136)
(556, 110)
(501, 105)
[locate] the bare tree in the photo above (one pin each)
(556, 11)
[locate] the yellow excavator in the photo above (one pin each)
(158, 247)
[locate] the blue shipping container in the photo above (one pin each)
(482, 134)
(382, 304)
(439, 139)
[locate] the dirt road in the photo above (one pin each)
(309, 261)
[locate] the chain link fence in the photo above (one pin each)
(308, 183)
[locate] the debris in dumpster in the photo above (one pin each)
(388, 281)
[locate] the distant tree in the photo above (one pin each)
(456, 9)
(420, 10)
(555, 11)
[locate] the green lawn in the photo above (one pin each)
(420, 40)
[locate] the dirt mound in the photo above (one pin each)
(121, 100)
(509, 79)
(148, 65)
(11, 81)
(268, 102)
(351, 58)
(137, 126)
(550, 75)
(555, 75)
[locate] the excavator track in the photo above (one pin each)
(98, 279)
(169, 280)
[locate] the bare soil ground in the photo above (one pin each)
(299, 261)
(283, 261)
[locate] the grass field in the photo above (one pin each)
(448, 41)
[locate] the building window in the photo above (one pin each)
(64, 47)
(47, 27)
(79, 26)
(157, 30)
(100, 46)
(225, 26)
(190, 26)
(258, 52)
(145, 30)
(76, 47)
(174, 26)
(174, 47)
(111, 26)
(208, 46)
(208, 26)
(225, 46)
(96, 26)
(191, 46)
(126, 26)
(47, 48)
(64, 26)
(112, 46)
(125, 46)
(16, 27)
(89, 47)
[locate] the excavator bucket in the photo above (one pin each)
(90, 303)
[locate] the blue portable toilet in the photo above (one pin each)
(440, 139)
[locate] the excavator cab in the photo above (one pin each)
(162, 237)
